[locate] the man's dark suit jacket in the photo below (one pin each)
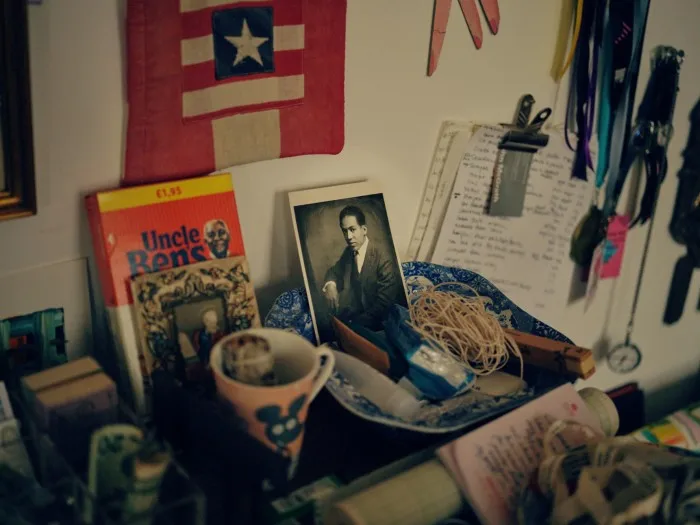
(380, 283)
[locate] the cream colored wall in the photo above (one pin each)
(393, 115)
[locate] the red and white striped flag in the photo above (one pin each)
(239, 57)
(216, 83)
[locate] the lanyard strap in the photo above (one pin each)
(584, 76)
(592, 84)
(620, 159)
(558, 73)
(660, 114)
(605, 101)
(652, 133)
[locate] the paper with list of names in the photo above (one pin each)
(525, 257)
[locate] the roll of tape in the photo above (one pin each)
(602, 406)
(423, 495)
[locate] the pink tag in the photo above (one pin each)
(613, 247)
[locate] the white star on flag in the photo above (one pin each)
(246, 45)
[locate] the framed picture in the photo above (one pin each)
(17, 175)
(349, 260)
(182, 312)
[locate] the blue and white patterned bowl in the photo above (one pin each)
(290, 311)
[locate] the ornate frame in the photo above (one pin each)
(156, 295)
(18, 199)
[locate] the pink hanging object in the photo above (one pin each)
(441, 15)
(492, 14)
(471, 15)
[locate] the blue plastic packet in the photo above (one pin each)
(434, 372)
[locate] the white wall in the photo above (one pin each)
(393, 114)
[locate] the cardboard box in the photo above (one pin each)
(69, 402)
(77, 388)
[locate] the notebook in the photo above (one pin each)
(495, 463)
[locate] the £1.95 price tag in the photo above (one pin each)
(168, 192)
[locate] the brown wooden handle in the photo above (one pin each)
(554, 355)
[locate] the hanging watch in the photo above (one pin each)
(624, 358)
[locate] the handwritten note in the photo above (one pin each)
(525, 257)
(495, 463)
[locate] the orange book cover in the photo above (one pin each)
(152, 228)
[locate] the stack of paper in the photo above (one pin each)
(495, 463)
(525, 257)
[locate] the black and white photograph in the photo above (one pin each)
(199, 327)
(349, 260)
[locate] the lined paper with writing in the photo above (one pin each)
(495, 463)
(525, 257)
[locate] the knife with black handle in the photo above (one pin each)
(680, 284)
(685, 222)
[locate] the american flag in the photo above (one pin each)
(239, 57)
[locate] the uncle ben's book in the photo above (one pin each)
(151, 228)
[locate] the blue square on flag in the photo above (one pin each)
(243, 41)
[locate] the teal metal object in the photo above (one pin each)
(32, 342)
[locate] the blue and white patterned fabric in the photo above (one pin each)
(290, 311)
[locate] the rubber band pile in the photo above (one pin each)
(459, 324)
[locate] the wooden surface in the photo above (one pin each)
(336, 442)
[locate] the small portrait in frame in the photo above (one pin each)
(183, 312)
(199, 326)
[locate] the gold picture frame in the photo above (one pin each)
(17, 178)
(173, 306)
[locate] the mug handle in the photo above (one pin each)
(324, 372)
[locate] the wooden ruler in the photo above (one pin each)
(437, 189)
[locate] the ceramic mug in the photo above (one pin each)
(275, 415)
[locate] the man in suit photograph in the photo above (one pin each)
(365, 281)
